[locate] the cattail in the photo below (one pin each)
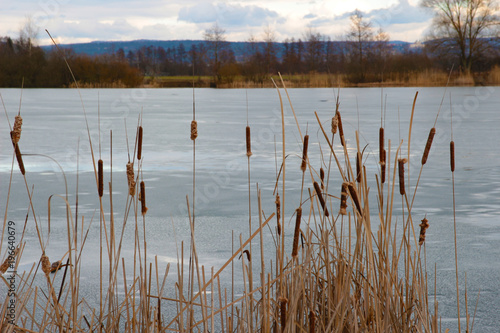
(312, 322)
(283, 302)
(56, 265)
(304, 154)
(401, 163)
(341, 130)
(359, 160)
(247, 253)
(19, 159)
(296, 234)
(16, 132)
(452, 156)
(354, 195)
(343, 199)
(321, 199)
(381, 144)
(335, 123)
(249, 142)
(144, 209)
(428, 145)
(382, 165)
(131, 179)
(322, 177)
(100, 177)
(5, 265)
(46, 268)
(423, 227)
(139, 143)
(194, 130)
(278, 212)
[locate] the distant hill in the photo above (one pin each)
(239, 48)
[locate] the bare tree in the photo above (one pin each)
(463, 27)
(359, 36)
(28, 33)
(215, 38)
(270, 51)
(314, 49)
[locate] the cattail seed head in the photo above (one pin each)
(428, 145)
(335, 123)
(16, 135)
(19, 156)
(194, 130)
(139, 143)
(423, 227)
(382, 165)
(312, 322)
(144, 209)
(278, 212)
(249, 142)
(283, 302)
(452, 156)
(381, 143)
(56, 265)
(354, 195)
(343, 198)
(45, 264)
(359, 160)
(320, 198)
(303, 165)
(401, 164)
(341, 130)
(131, 179)
(100, 176)
(322, 177)
(295, 251)
(247, 253)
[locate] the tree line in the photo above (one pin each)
(465, 36)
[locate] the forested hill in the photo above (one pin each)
(239, 48)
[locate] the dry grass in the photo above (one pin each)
(351, 268)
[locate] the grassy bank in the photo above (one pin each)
(428, 78)
(352, 265)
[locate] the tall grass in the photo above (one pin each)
(353, 266)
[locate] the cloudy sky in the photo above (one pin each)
(73, 21)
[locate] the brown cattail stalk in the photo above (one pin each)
(423, 227)
(298, 213)
(335, 123)
(312, 322)
(359, 160)
(428, 145)
(401, 164)
(452, 156)
(322, 177)
(343, 198)
(16, 132)
(139, 143)
(283, 302)
(321, 199)
(354, 195)
(341, 130)
(249, 142)
(382, 165)
(194, 130)
(144, 209)
(381, 144)
(100, 177)
(278, 212)
(247, 253)
(304, 154)
(131, 179)
(46, 268)
(19, 159)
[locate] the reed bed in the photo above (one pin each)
(353, 265)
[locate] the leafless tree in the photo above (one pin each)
(359, 36)
(215, 38)
(28, 33)
(463, 27)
